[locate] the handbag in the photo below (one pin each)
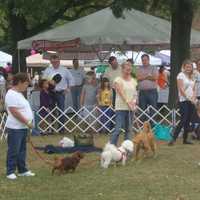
(84, 139)
(162, 132)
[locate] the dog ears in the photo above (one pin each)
(147, 125)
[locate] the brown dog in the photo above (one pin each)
(67, 163)
(144, 140)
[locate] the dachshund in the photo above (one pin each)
(145, 140)
(63, 165)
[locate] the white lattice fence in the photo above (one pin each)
(3, 117)
(95, 119)
(163, 115)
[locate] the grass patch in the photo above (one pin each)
(174, 173)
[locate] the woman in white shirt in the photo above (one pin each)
(197, 79)
(125, 102)
(187, 97)
(18, 122)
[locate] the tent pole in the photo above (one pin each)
(123, 51)
(102, 58)
(19, 67)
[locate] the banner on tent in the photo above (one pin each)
(46, 45)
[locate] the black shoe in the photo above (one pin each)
(171, 143)
(187, 142)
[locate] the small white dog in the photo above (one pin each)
(66, 142)
(112, 153)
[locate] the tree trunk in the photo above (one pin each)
(182, 15)
(17, 31)
(19, 60)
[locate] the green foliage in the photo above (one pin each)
(38, 15)
(159, 8)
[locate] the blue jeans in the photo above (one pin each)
(187, 109)
(60, 102)
(123, 120)
(76, 94)
(148, 98)
(16, 154)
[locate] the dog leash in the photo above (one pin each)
(136, 121)
(36, 151)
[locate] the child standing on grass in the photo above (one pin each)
(45, 100)
(88, 98)
(105, 104)
(35, 105)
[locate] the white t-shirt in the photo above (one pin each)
(17, 100)
(197, 79)
(188, 85)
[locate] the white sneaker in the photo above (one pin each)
(12, 176)
(28, 173)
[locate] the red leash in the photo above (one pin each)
(38, 154)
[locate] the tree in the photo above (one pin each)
(22, 19)
(181, 23)
(182, 15)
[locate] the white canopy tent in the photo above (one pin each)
(103, 31)
(5, 58)
(164, 55)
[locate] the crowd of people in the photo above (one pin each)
(117, 88)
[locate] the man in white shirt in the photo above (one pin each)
(63, 86)
(79, 77)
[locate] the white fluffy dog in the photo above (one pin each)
(112, 153)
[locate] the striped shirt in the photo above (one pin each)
(147, 84)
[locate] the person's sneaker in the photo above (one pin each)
(28, 173)
(11, 176)
(187, 142)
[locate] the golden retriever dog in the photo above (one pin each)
(145, 141)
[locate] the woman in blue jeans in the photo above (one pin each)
(18, 122)
(125, 102)
(187, 97)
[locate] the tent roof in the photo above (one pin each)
(102, 29)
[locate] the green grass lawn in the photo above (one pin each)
(173, 175)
